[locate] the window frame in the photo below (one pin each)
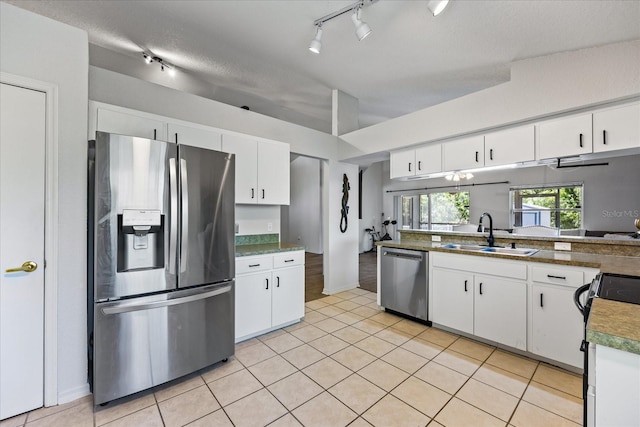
(514, 212)
(416, 209)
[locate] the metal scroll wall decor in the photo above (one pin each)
(345, 199)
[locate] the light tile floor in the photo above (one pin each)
(347, 363)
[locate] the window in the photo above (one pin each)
(434, 211)
(557, 206)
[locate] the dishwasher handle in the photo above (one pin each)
(404, 255)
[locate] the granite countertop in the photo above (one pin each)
(266, 248)
(611, 323)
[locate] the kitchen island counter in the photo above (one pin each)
(266, 248)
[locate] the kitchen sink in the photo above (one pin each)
(492, 250)
(510, 251)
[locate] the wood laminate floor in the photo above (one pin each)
(314, 279)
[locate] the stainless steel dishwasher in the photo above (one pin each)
(404, 282)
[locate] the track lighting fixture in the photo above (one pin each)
(362, 28)
(164, 66)
(437, 6)
(316, 43)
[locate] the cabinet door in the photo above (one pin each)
(466, 153)
(557, 326)
(500, 311)
(287, 301)
(429, 159)
(273, 173)
(453, 299)
(565, 137)
(253, 303)
(403, 163)
(129, 124)
(246, 151)
(616, 129)
(509, 146)
(195, 137)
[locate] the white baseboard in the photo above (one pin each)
(332, 291)
(73, 394)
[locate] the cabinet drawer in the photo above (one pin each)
(288, 259)
(254, 264)
(558, 276)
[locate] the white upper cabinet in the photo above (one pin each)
(569, 136)
(465, 153)
(422, 161)
(130, 124)
(194, 136)
(509, 146)
(262, 170)
(616, 129)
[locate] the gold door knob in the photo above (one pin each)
(27, 267)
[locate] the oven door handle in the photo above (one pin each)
(576, 296)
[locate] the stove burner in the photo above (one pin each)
(621, 288)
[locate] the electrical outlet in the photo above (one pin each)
(562, 246)
(269, 226)
(237, 228)
(436, 238)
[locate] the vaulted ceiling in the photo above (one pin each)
(254, 53)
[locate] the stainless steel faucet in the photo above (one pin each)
(491, 240)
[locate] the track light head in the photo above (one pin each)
(147, 58)
(437, 6)
(362, 28)
(316, 43)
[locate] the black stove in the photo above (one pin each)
(618, 287)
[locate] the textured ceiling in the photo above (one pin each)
(255, 53)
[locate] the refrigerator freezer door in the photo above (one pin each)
(207, 240)
(131, 183)
(150, 340)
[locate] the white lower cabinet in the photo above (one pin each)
(556, 325)
(500, 313)
(474, 302)
(269, 292)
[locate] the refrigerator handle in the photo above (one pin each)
(173, 208)
(184, 232)
(166, 303)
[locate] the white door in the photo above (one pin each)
(453, 290)
(287, 299)
(253, 303)
(129, 124)
(429, 159)
(569, 136)
(22, 172)
(195, 137)
(509, 146)
(465, 153)
(403, 163)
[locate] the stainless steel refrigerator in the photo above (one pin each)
(161, 262)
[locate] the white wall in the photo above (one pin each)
(371, 203)
(42, 49)
(607, 189)
(257, 219)
(304, 214)
(341, 262)
(539, 87)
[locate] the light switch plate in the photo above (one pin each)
(436, 238)
(562, 246)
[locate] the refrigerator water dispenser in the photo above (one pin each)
(140, 240)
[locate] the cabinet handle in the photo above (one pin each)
(289, 260)
(278, 281)
(409, 166)
(254, 265)
(477, 156)
(252, 193)
(581, 145)
(155, 131)
(176, 137)
(480, 288)
(263, 193)
(267, 283)
(541, 302)
(604, 137)
(491, 154)
(465, 285)
(551, 276)
(419, 165)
